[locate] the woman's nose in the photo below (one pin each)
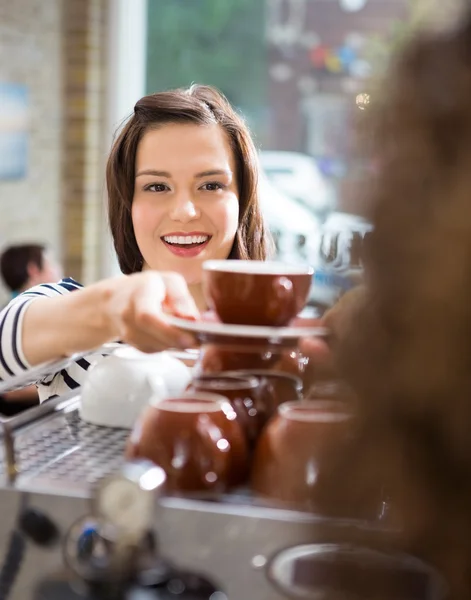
(184, 209)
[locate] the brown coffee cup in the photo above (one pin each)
(297, 449)
(222, 357)
(196, 438)
(242, 393)
(250, 292)
(274, 388)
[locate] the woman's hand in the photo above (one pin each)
(136, 309)
(130, 308)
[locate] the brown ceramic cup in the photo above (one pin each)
(196, 438)
(251, 292)
(296, 451)
(243, 394)
(274, 388)
(222, 357)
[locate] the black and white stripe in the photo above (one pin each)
(12, 359)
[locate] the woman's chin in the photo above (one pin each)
(193, 282)
(192, 276)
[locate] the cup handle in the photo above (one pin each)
(219, 449)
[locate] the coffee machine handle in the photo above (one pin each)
(113, 552)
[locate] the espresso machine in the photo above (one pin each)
(78, 522)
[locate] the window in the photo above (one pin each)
(298, 71)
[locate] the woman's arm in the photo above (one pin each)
(63, 325)
(129, 308)
(12, 360)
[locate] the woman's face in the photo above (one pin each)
(185, 207)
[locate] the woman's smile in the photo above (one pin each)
(186, 244)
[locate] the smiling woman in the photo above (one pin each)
(178, 143)
(182, 188)
(185, 207)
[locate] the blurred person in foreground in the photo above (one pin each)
(23, 266)
(404, 341)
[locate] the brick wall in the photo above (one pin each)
(57, 48)
(84, 77)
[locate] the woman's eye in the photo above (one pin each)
(213, 186)
(156, 187)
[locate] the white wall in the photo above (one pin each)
(30, 54)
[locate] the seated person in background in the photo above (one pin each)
(26, 265)
(23, 266)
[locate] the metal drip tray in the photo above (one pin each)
(63, 454)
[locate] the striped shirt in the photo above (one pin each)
(12, 359)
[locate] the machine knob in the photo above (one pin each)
(38, 527)
(126, 500)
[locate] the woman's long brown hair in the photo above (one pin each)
(200, 105)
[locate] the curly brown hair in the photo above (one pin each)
(201, 105)
(406, 348)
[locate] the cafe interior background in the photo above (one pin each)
(300, 71)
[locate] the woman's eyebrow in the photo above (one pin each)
(209, 173)
(227, 172)
(153, 172)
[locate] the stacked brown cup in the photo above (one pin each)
(249, 424)
(247, 294)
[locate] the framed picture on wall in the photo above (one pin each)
(14, 130)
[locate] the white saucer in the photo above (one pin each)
(209, 331)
